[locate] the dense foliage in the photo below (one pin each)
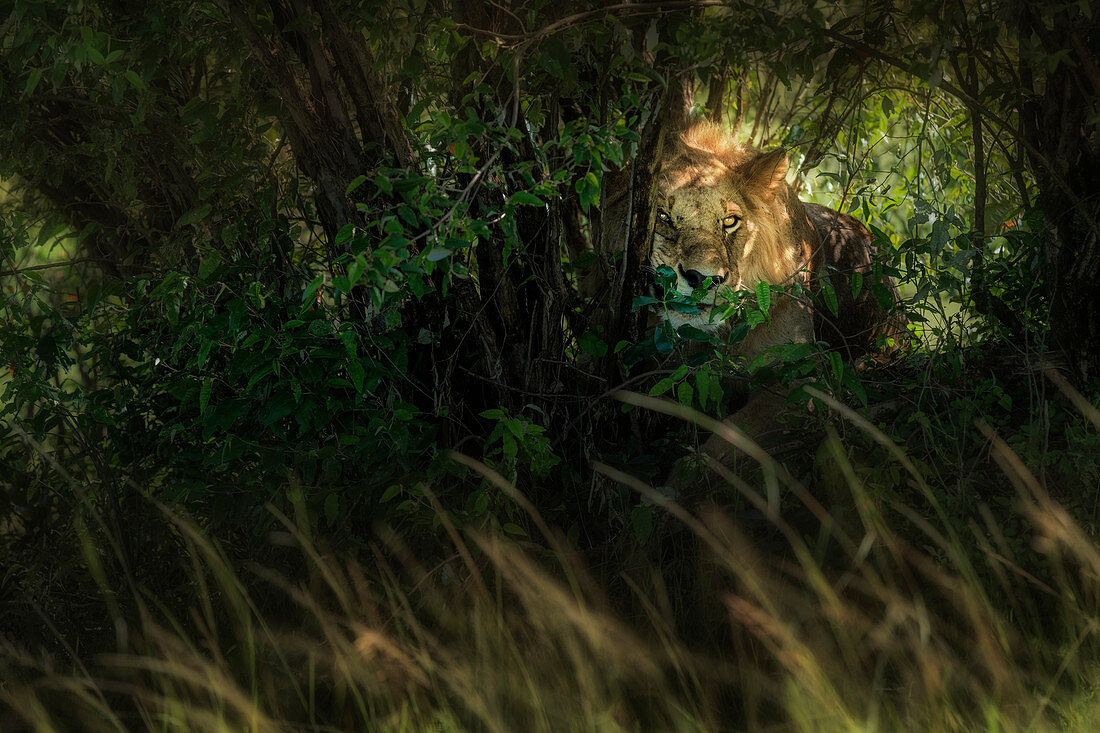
(263, 256)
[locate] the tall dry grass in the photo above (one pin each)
(907, 623)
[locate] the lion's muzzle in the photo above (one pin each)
(696, 279)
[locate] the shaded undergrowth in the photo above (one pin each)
(863, 609)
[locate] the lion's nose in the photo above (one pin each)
(696, 278)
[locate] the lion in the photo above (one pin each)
(726, 218)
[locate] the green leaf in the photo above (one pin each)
(763, 297)
(691, 333)
(935, 77)
(314, 286)
(356, 373)
(355, 270)
(135, 81)
(32, 81)
(852, 381)
(661, 339)
(385, 185)
(661, 387)
(204, 353)
(204, 394)
(346, 232)
(193, 216)
(702, 386)
(829, 294)
(515, 426)
(836, 363)
(515, 529)
(685, 393)
(588, 191)
(526, 197)
(940, 236)
(857, 284)
(332, 508)
(355, 183)
(209, 264)
(683, 304)
(258, 375)
(666, 277)
(590, 343)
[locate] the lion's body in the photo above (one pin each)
(861, 325)
(727, 218)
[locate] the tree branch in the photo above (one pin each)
(66, 263)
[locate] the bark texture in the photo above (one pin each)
(1062, 129)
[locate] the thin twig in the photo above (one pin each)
(635, 9)
(50, 265)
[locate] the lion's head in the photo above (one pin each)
(725, 218)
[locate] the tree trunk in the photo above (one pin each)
(1062, 130)
(321, 129)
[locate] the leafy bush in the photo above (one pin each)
(260, 259)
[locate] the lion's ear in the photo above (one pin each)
(766, 171)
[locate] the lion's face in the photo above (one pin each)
(700, 235)
(716, 225)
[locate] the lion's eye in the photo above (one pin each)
(663, 216)
(730, 222)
